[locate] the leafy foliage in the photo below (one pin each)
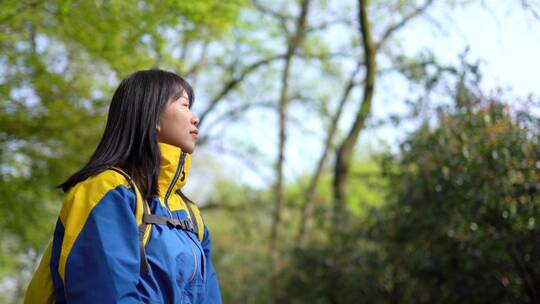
(59, 62)
(464, 225)
(461, 220)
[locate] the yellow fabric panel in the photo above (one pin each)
(139, 204)
(139, 211)
(41, 289)
(187, 163)
(199, 220)
(196, 213)
(170, 158)
(139, 214)
(78, 204)
(175, 203)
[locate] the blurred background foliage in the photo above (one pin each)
(449, 214)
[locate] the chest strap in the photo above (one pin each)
(171, 222)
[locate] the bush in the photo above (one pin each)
(461, 225)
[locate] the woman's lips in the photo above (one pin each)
(195, 134)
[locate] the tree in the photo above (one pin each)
(60, 61)
(371, 47)
(293, 44)
(460, 220)
(463, 224)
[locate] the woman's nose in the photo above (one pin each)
(195, 120)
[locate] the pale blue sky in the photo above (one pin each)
(502, 35)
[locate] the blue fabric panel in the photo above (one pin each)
(55, 256)
(104, 263)
(213, 293)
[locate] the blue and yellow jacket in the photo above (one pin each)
(95, 255)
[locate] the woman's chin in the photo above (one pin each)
(188, 149)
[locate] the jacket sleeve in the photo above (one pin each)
(96, 253)
(40, 289)
(213, 293)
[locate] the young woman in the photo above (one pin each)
(126, 233)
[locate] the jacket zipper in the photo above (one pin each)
(166, 199)
(179, 169)
(193, 249)
(196, 240)
(194, 262)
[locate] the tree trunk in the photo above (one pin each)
(279, 196)
(345, 150)
(309, 204)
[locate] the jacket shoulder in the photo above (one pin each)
(80, 203)
(88, 193)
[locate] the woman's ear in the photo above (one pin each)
(158, 127)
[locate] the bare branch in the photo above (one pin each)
(196, 67)
(185, 45)
(397, 26)
(233, 82)
(322, 56)
(214, 206)
(234, 113)
(327, 24)
(280, 17)
(534, 8)
(244, 158)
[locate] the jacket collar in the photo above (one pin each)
(174, 169)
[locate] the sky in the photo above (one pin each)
(501, 34)
(504, 36)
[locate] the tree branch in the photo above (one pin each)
(234, 81)
(535, 10)
(344, 153)
(327, 24)
(397, 26)
(309, 204)
(237, 111)
(18, 11)
(281, 18)
(243, 157)
(193, 71)
(292, 45)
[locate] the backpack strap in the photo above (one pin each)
(196, 220)
(171, 222)
(192, 215)
(144, 228)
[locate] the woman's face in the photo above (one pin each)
(177, 125)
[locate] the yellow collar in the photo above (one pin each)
(174, 169)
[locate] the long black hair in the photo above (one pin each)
(130, 138)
